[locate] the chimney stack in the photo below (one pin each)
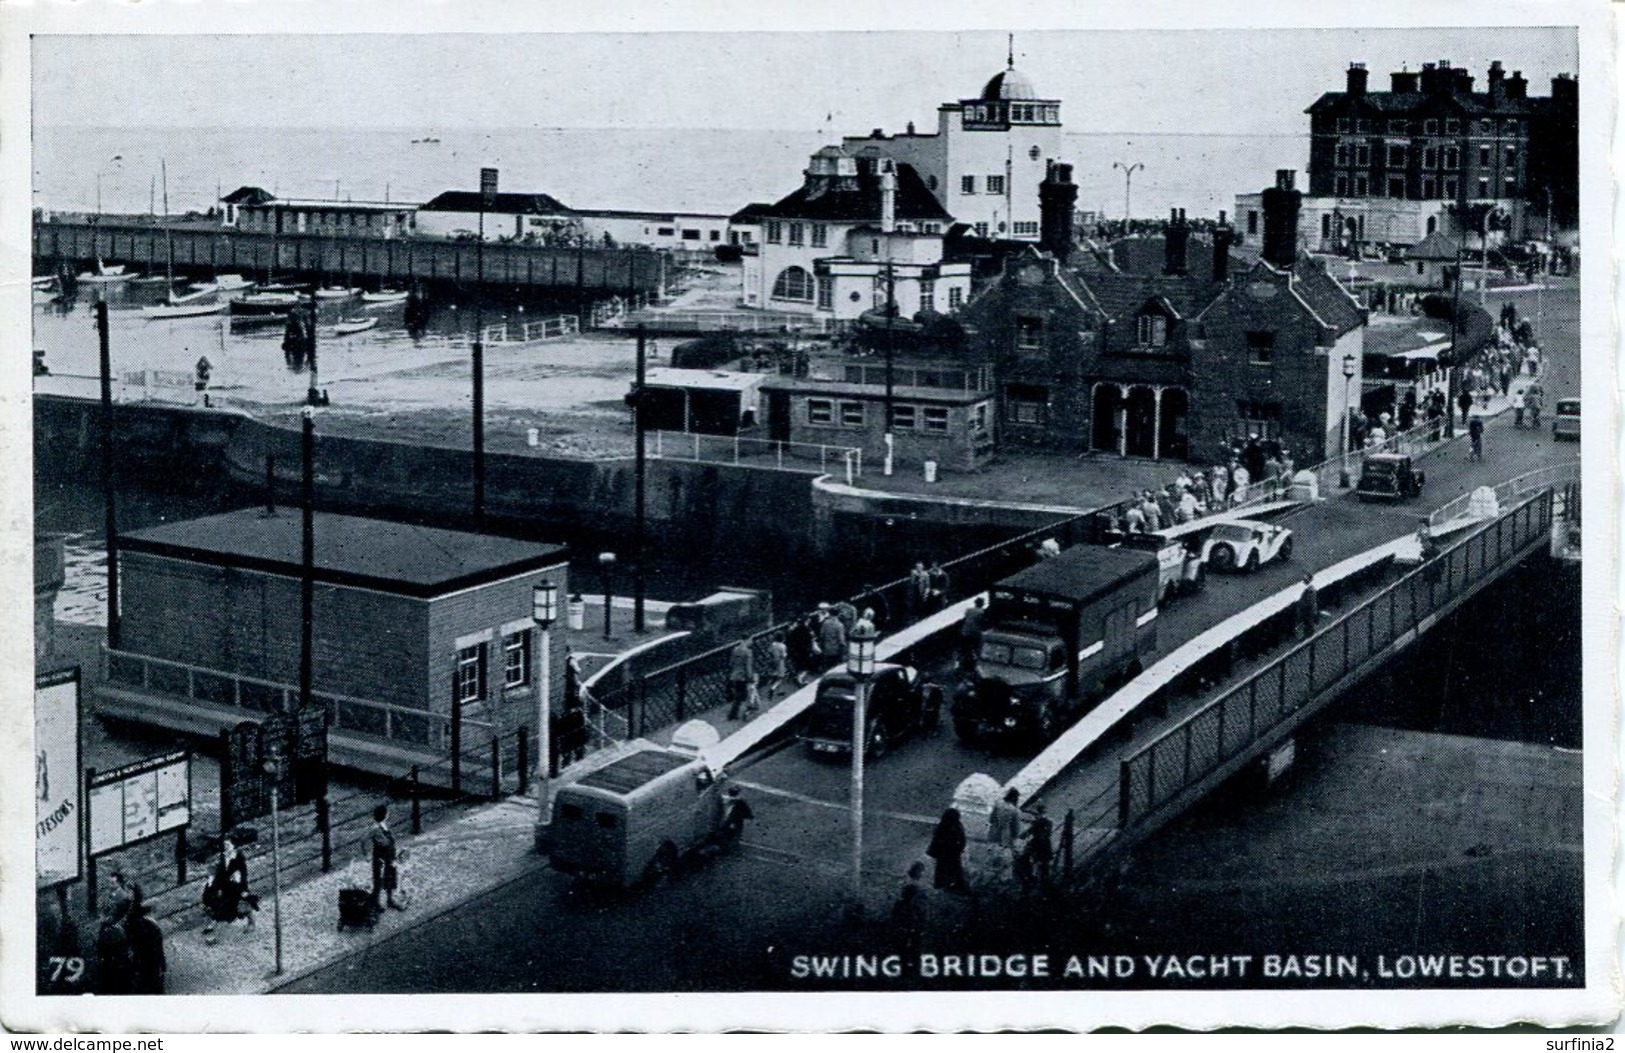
(1357, 79)
(1565, 88)
(1175, 243)
(888, 197)
(1497, 88)
(1057, 200)
(1403, 82)
(1516, 86)
(1430, 78)
(1281, 206)
(1222, 237)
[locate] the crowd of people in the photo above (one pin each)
(1254, 468)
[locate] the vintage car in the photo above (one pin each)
(1180, 569)
(1245, 544)
(1566, 421)
(1389, 477)
(900, 705)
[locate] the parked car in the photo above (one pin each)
(1389, 477)
(1246, 544)
(900, 705)
(1566, 422)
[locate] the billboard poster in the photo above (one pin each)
(56, 778)
(140, 801)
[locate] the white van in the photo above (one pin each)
(635, 818)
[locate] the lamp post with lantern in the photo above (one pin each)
(860, 665)
(544, 611)
(606, 566)
(1348, 382)
(273, 768)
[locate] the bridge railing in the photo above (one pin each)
(1257, 709)
(746, 450)
(1509, 492)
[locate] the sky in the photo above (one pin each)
(1220, 81)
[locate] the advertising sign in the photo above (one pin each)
(488, 185)
(140, 801)
(57, 801)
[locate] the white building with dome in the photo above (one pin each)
(986, 158)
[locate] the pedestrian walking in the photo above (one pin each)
(385, 876)
(848, 614)
(919, 584)
(1465, 402)
(226, 897)
(1037, 857)
(865, 625)
(948, 849)
(113, 971)
(1517, 408)
(937, 586)
(778, 666)
(1004, 826)
(1240, 479)
(1308, 607)
(1475, 435)
(1506, 380)
(908, 911)
(970, 633)
(741, 676)
(1534, 398)
(832, 642)
(148, 964)
(801, 643)
(572, 677)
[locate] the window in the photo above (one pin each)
(931, 183)
(820, 235)
(1342, 126)
(1342, 190)
(796, 233)
(1259, 418)
(1026, 227)
(826, 294)
(471, 673)
(1430, 158)
(821, 412)
(956, 298)
(1397, 124)
(903, 417)
(936, 418)
(793, 283)
(1430, 126)
(1452, 158)
(1362, 126)
(1029, 334)
(1396, 186)
(1484, 156)
(716, 235)
(1452, 126)
(852, 414)
(1362, 186)
(1342, 155)
(1430, 189)
(981, 230)
(1261, 347)
(1450, 188)
(1252, 218)
(1511, 188)
(928, 294)
(516, 659)
(967, 184)
(1486, 126)
(775, 232)
(995, 184)
(930, 228)
(1396, 157)
(667, 232)
(1026, 403)
(1512, 128)
(1512, 157)
(1151, 330)
(978, 419)
(1362, 155)
(1483, 188)
(1325, 225)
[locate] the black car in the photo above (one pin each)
(900, 705)
(1389, 477)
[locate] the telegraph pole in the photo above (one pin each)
(307, 553)
(488, 193)
(110, 512)
(640, 508)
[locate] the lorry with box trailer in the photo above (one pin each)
(1056, 639)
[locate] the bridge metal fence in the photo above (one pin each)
(746, 450)
(1258, 708)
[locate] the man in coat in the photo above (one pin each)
(384, 878)
(741, 674)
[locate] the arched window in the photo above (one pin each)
(793, 283)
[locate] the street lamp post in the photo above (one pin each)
(1128, 185)
(1348, 382)
(606, 564)
(273, 768)
(1484, 252)
(860, 664)
(544, 610)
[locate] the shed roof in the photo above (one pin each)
(702, 379)
(510, 204)
(352, 551)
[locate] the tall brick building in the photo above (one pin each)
(1175, 362)
(408, 620)
(1387, 166)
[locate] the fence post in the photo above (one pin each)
(496, 768)
(417, 803)
(1067, 836)
(324, 825)
(456, 747)
(523, 742)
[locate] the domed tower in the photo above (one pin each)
(998, 146)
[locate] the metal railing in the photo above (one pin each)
(1257, 709)
(1508, 492)
(760, 453)
(382, 721)
(978, 379)
(740, 321)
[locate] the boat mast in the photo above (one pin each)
(169, 235)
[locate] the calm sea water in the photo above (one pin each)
(701, 170)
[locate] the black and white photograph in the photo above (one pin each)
(936, 519)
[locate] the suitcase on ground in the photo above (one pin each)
(355, 908)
